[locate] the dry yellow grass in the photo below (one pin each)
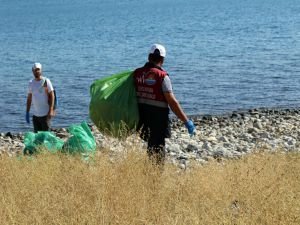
(59, 189)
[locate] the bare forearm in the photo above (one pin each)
(176, 108)
(28, 105)
(51, 100)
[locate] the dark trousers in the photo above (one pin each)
(41, 123)
(156, 149)
(154, 127)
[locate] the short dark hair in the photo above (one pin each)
(155, 58)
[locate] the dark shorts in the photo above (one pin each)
(41, 123)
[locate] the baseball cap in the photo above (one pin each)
(158, 49)
(37, 66)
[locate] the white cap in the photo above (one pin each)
(161, 50)
(37, 66)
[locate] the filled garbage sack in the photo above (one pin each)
(113, 106)
(81, 140)
(41, 140)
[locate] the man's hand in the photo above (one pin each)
(27, 117)
(51, 113)
(190, 126)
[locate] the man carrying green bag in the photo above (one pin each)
(155, 99)
(113, 105)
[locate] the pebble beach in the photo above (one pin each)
(220, 137)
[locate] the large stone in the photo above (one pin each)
(223, 139)
(252, 130)
(257, 124)
(212, 139)
(191, 148)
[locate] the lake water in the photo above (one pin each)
(222, 55)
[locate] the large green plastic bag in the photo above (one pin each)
(42, 139)
(113, 106)
(81, 141)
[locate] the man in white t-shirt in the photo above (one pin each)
(41, 98)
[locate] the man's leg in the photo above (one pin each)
(156, 149)
(36, 124)
(45, 123)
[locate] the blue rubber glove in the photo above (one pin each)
(190, 126)
(27, 117)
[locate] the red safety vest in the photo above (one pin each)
(148, 82)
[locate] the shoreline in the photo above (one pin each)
(204, 116)
(199, 118)
(252, 111)
(226, 136)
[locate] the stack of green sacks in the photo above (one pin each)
(81, 141)
(41, 140)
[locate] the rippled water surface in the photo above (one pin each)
(221, 55)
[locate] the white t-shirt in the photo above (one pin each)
(166, 85)
(40, 105)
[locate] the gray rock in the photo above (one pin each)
(264, 135)
(207, 146)
(223, 139)
(218, 153)
(173, 154)
(191, 148)
(182, 166)
(252, 130)
(183, 157)
(257, 124)
(173, 148)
